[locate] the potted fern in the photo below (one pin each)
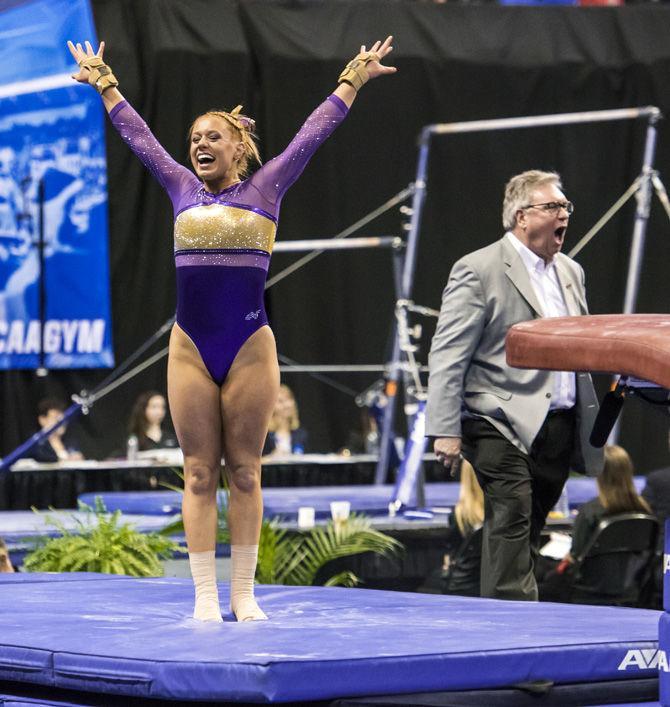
(100, 543)
(284, 558)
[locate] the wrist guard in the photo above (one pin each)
(355, 73)
(100, 76)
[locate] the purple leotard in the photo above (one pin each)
(223, 241)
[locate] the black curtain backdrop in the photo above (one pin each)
(177, 58)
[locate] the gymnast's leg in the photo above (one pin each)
(248, 397)
(194, 406)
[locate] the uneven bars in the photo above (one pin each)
(593, 116)
(339, 244)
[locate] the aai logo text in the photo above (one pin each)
(645, 659)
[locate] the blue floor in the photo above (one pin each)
(126, 636)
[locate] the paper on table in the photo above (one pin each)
(557, 547)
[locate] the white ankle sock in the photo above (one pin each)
(242, 601)
(203, 571)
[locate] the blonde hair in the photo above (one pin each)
(519, 191)
(4, 553)
(616, 489)
(470, 507)
(294, 419)
(242, 128)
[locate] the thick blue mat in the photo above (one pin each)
(133, 637)
(284, 502)
(17, 526)
(666, 567)
(663, 659)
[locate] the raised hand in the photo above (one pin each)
(381, 49)
(80, 53)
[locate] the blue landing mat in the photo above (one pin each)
(666, 567)
(663, 658)
(284, 502)
(17, 526)
(133, 637)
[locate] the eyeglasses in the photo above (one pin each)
(553, 206)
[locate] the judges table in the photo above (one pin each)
(32, 485)
(29, 484)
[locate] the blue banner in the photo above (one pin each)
(52, 142)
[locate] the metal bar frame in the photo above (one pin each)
(322, 244)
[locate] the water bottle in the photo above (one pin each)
(131, 448)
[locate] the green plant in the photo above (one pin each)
(100, 544)
(290, 559)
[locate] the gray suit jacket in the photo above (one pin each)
(488, 291)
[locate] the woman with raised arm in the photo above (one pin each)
(223, 375)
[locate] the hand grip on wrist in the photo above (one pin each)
(355, 72)
(100, 76)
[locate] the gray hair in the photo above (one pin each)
(519, 190)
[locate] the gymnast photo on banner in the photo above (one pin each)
(53, 187)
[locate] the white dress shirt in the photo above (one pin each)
(547, 288)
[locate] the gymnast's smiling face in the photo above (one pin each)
(215, 151)
(542, 228)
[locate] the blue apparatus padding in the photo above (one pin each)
(134, 637)
(49, 578)
(137, 502)
(663, 658)
(18, 526)
(666, 567)
(284, 502)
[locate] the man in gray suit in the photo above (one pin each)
(522, 430)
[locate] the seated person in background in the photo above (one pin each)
(54, 448)
(460, 572)
(146, 422)
(363, 441)
(5, 562)
(285, 436)
(616, 494)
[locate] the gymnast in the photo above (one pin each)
(223, 375)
